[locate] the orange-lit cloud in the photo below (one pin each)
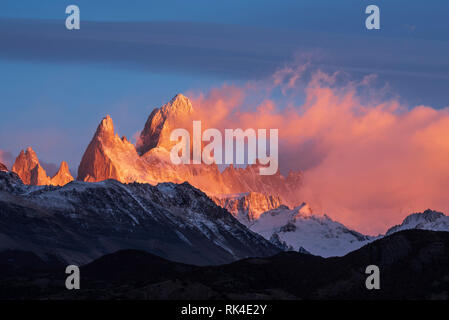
(6, 158)
(367, 162)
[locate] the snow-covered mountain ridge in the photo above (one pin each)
(300, 229)
(82, 221)
(427, 220)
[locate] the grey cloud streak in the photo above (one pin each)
(151, 46)
(228, 51)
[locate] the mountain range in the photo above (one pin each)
(109, 156)
(412, 263)
(82, 221)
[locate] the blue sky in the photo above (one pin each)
(129, 57)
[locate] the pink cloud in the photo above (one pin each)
(367, 162)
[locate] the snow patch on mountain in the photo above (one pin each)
(302, 230)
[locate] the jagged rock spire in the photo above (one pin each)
(96, 164)
(105, 129)
(28, 168)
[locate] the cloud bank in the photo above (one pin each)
(368, 160)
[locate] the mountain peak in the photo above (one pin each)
(429, 220)
(63, 176)
(179, 104)
(162, 121)
(106, 127)
(64, 167)
(29, 150)
(28, 168)
(110, 157)
(30, 154)
(426, 216)
(96, 164)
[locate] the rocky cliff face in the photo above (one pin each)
(28, 168)
(39, 176)
(109, 157)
